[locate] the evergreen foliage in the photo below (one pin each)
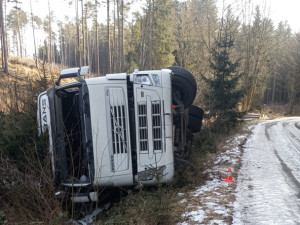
(224, 95)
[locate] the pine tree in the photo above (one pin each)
(224, 95)
(17, 20)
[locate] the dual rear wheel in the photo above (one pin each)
(184, 89)
(184, 86)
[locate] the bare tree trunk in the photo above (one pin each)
(4, 25)
(87, 59)
(113, 40)
(78, 58)
(83, 36)
(142, 46)
(292, 100)
(33, 32)
(108, 40)
(62, 50)
(2, 52)
(122, 33)
(4, 60)
(68, 55)
(16, 44)
(151, 35)
(273, 90)
(96, 37)
(119, 37)
(50, 51)
(19, 34)
(88, 41)
(247, 69)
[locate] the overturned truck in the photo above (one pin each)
(119, 129)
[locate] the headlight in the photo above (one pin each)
(142, 79)
(155, 78)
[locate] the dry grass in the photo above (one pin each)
(279, 110)
(150, 207)
(26, 187)
(28, 196)
(27, 66)
(23, 82)
(21, 62)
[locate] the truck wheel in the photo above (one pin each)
(184, 86)
(195, 118)
(181, 164)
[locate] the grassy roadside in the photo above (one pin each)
(212, 202)
(161, 205)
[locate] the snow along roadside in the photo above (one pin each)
(213, 202)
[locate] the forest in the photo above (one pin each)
(164, 32)
(239, 58)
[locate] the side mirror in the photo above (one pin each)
(84, 71)
(73, 72)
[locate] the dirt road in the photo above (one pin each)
(268, 185)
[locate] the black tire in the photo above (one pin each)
(181, 164)
(184, 86)
(196, 111)
(195, 118)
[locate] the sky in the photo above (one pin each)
(277, 10)
(286, 10)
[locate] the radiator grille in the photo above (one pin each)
(143, 132)
(156, 125)
(118, 124)
(117, 120)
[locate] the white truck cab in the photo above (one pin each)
(116, 130)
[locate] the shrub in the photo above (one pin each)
(148, 206)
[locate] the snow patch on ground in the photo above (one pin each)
(212, 203)
(266, 190)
